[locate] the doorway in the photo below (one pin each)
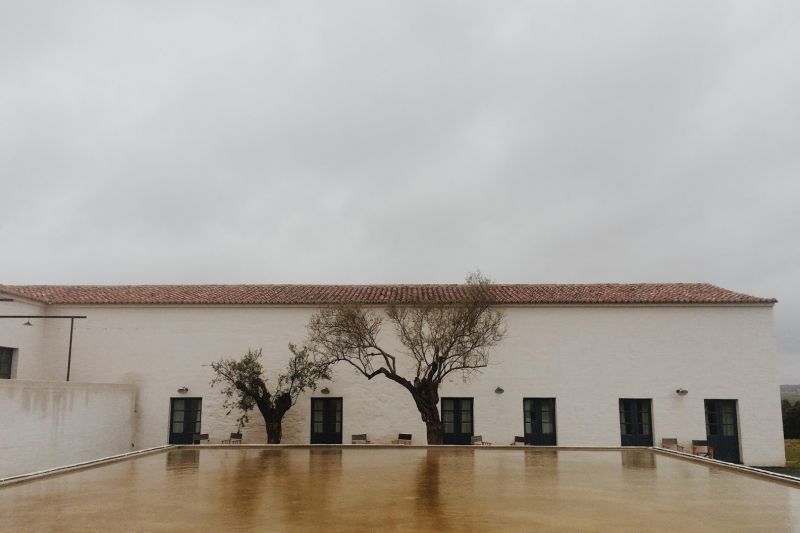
(457, 420)
(636, 421)
(184, 419)
(326, 420)
(540, 421)
(722, 429)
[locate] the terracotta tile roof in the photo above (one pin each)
(601, 293)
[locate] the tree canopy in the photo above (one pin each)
(438, 337)
(244, 386)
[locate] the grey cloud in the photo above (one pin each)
(399, 142)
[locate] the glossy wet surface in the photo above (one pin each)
(400, 489)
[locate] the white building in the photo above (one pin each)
(588, 365)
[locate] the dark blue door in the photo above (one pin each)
(540, 421)
(722, 429)
(636, 422)
(184, 419)
(457, 420)
(6, 358)
(326, 420)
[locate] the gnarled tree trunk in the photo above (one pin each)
(273, 409)
(274, 431)
(426, 396)
(434, 432)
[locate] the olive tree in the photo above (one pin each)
(437, 339)
(244, 386)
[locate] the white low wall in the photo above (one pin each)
(47, 424)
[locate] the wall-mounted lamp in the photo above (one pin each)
(681, 392)
(27, 323)
(499, 390)
(183, 390)
(325, 390)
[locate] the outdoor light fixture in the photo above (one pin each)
(325, 390)
(681, 392)
(183, 390)
(499, 390)
(28, 323)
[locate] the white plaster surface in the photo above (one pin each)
(30, 357)
(48, 424)
(587, 357)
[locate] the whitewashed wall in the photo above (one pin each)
(48, 424)
(30, 360)
(585, 357)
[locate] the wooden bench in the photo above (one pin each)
(235, 438)
(477, 440)
(701, 448)
(402, 438)
(359, 439)
(670, 444)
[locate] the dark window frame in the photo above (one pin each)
(8, 356)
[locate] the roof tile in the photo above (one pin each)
(521, 294)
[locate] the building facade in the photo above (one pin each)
(581, 365)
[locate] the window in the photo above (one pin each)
(466, 415)
(527, 409)
(317, 410)
(448, 415)
(6, 362)
(720, 418)
(547, 419)
(728, 420)
(178, 409)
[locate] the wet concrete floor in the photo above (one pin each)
(331, 489)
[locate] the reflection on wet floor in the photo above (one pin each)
(187, 458)
(417, 489)
(638, 460)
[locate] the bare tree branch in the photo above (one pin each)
(440, 337)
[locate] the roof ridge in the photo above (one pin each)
(319, 294)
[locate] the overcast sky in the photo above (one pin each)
(374, 142)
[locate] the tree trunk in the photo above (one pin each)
(426, 396)
(273, 409)
(273, 418)
(435, 433)
(274, 429)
